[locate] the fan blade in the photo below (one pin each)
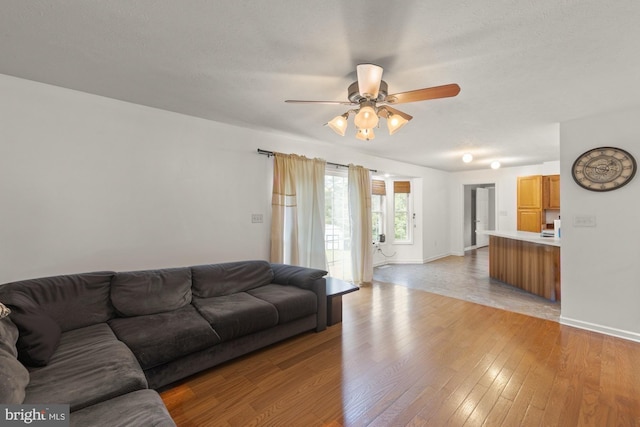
(435, 92)
(384, 112)
(369, 78)
(296, 101)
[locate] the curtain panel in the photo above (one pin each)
(297, 220)
(361, 227)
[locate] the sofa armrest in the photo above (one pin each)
(305, 278)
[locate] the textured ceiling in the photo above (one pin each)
(523, 66)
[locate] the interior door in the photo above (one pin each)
(482, 216)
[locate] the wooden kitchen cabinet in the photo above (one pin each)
(530, 203)
(551, 192)
(530, 192)
(530, 220)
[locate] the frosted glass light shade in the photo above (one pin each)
(395, 122)
(366, 118)
(365, 134)
(369, 77)
(467, 157)
(495, 165)
(339, 125)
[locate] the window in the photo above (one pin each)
(378, 192)
(402, 211)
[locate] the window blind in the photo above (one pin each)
(378, 187)
(402, 186)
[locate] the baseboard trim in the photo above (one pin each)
(434, 258)
(414, 261)
(405, 261)
(614, 332)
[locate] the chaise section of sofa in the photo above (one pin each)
(89, 366)
(136, 409)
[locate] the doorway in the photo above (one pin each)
(479, 213)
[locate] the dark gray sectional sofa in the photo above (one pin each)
(103, 342)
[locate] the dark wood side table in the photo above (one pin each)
(335, 289)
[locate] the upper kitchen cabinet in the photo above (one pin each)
(530, 203)
(530, 192)
(551, 192)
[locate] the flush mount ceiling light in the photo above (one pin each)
(370, 95)
(467, 157)
(495, 165)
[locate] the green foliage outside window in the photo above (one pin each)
(401, 216)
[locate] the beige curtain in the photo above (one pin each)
(360, 216)
(297, 220)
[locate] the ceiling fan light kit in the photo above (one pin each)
(365, 134)
(395, 122)
(339, 124)
(369, 91)
(367, 116)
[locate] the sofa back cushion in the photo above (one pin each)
(73, 301)
(138, 293)
(39, 333)
(14, 377)
(214, 280)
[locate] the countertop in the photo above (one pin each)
(525, 236)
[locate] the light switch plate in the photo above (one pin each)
(256, 218)
(584, 220)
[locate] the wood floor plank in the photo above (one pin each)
(404, 357)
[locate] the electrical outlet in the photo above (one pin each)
(584, 221)
(256, 218)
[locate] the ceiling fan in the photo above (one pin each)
(370, 95)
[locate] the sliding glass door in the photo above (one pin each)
(337, 230)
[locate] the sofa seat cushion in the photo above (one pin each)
(160, 338)
(291, 302)
(214, 280)
(138, 408)
(89, 366)
(138, 293)
(235, 315)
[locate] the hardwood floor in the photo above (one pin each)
(408, 357)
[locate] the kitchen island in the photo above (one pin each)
(527, 261)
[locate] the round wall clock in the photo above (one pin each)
(604, 169)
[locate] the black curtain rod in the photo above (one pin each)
(271, 153)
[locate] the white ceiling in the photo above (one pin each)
(523, 66)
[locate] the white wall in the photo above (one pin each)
(601, 265)
(90, 183)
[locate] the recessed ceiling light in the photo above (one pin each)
(495, 165)
(467, 157)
